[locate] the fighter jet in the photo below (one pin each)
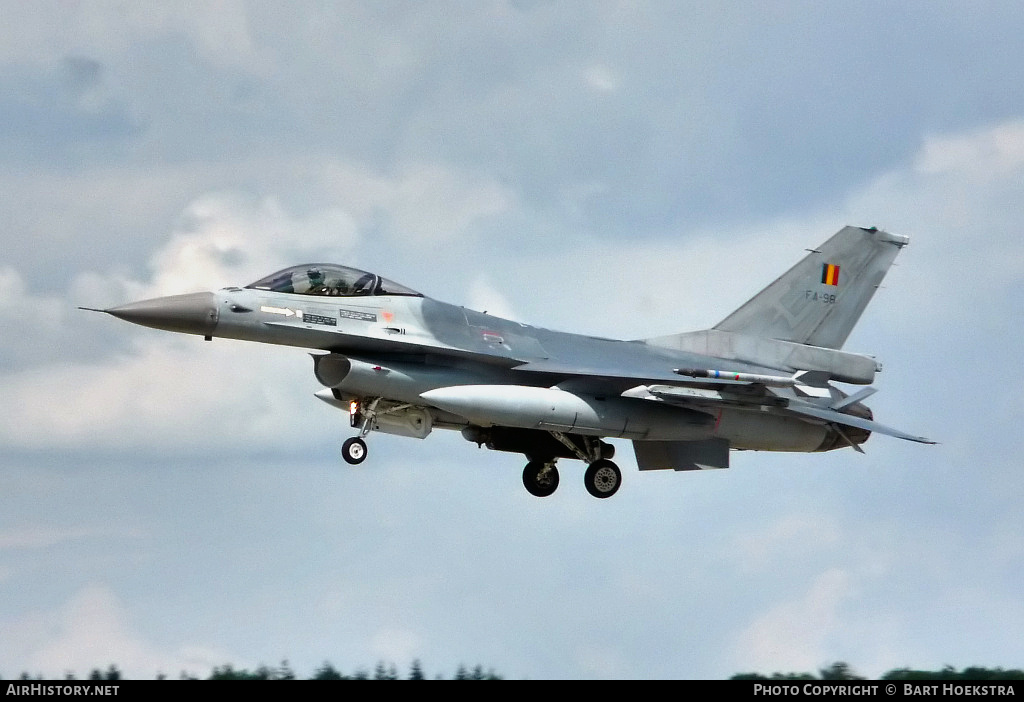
(399, 362)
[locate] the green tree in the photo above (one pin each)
(383, 673)
(950, 673)
(112, 673)
(326, 671)
(284, 672)
(416, 671)
(228, 672)
(838, 671)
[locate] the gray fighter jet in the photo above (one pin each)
(402, 363)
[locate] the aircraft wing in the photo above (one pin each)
(707, 391)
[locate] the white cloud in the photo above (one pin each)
(423, 205)
(219, 31)
(792, 536)
(171, 390)
(38, 318)
(440, 206)
(990, 153)
(958, 202)
(794, 635)
(485, 298)
(601, 662)
(36, 537)
(91, 630)
(601, 79)
(396, 644)
(168, 393)
(657, 286)
(229, 239)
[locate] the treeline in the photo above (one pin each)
(327, 671)
(843, 671)
(284, 671)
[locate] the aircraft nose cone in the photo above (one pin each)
(195, 313)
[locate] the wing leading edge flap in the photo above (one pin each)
(682, 455)
(830, 415)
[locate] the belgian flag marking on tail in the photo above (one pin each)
(830, 274)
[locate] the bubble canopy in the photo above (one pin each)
(328, 280)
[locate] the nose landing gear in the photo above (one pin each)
(354, 449)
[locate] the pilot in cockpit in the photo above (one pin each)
(330, 280)
(316, 282)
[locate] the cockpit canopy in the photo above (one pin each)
(330, 280)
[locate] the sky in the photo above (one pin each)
(622, 169)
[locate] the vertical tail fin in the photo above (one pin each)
(820, 299)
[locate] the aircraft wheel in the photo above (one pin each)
(540, 478)
(354, 450)
(602, 478)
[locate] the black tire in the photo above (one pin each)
(540, 479)
(354, 450)
(602, 478)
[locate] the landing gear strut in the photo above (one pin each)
(603, 477)
(354, 449)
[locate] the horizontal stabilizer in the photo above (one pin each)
(830, 415)
(853, 399)
(682, 455)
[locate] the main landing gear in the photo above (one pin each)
(602, 478)
(540, 478)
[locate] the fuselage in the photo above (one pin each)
(398, 347)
